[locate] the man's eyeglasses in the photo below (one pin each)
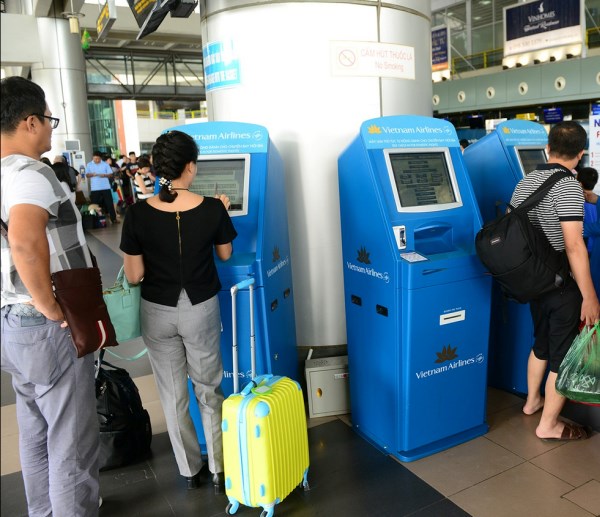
(53, 120)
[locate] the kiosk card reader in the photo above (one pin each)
(417, 299)
(495, 164)
(239, 159)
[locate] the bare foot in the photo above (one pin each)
(533, 406)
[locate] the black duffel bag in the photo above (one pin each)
(125, 429)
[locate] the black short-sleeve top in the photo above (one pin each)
(177, 248)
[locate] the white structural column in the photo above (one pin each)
(61, 73)
(311, 73)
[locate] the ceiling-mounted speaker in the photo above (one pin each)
(183, 8)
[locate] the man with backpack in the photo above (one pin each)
(557, 314)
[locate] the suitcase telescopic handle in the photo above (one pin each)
(234, 290)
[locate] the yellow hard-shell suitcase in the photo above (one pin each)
(265, 442)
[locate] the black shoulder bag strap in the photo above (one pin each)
(541, 191)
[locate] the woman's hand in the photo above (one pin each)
(224, 199)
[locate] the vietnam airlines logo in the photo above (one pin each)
(374, 130)
(447, 354)
(506, 130)
(363, 256)
(278, 261)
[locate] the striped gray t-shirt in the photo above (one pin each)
(28, 181)
(564, 202)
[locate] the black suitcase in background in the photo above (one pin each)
(125, 429)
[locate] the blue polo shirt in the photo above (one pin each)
(98, 168)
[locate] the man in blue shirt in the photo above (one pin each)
(100, 173)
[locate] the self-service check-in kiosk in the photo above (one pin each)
(495, 164)
(417, 299)
(239, 159)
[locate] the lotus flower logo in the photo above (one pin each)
(447, 354)
(363, 256)
(276, 255)
(374, 130)
(506, 130)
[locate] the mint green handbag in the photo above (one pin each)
(123, 303)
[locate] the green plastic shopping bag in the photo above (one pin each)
(579, 374)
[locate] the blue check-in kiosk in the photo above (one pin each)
(496, 163)
(239, 159)
(417, 299)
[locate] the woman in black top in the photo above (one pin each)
(169, 241)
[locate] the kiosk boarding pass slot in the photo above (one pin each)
(452, 317)
(400, 234)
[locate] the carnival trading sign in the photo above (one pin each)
(542, 24)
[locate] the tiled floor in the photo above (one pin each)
(507, 472)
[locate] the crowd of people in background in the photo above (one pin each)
(114, 184)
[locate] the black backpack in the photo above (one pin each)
(125, 429)
(518, 255)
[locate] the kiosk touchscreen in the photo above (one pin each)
(417, 299)
(239, 159)
(496, 163)
(500, 159)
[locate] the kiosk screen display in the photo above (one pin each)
(531, 158)
(422, 179)
(224, 176)
(585, 160)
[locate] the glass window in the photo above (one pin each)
(102, 125)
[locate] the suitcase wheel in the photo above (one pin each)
(267, 513)
(232, 507)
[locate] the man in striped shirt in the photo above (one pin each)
(55, 394)
(557, 315)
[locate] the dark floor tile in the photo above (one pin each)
(347, 477)
(444, 508)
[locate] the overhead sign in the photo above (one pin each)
(440, 48)
(106, 19)
(221, 65)
(141, 9)
(553, 115)
(542, 24)
(525, 116)
(372, 59)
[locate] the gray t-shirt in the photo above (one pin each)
(28, 181)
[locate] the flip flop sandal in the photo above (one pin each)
(570, 433)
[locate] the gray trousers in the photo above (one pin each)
(185, 340)
(56, 413)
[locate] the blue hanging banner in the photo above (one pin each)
(221, 65)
